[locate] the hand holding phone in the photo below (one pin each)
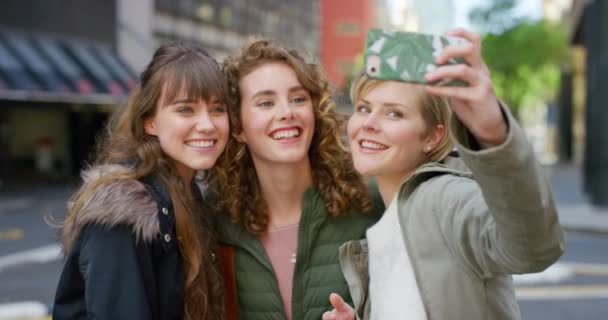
(476, 105)
(407, 56)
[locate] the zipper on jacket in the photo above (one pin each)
(307, 222)
(263, 259)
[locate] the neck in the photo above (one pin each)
(186, 173)
(388, 185)
(283, 187)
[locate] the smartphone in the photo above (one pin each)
(407, 56)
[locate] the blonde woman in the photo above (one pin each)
(449, 241)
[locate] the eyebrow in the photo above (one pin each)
(387, 104)
(263, 93)
(213, 99)
(272, 92)
(297, 88)
(180, 101)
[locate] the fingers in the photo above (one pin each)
(330, 315)
(474, 96)
(338, 303)
(471, 51)
(474, 38)
(465, 50)
(448, 92)
(471, 55)
(459, 71)
(342, 310)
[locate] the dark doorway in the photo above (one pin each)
(85, 128)
(5, 163)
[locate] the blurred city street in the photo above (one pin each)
(66, 66)
(574, 288)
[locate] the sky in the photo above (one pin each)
(530, 8)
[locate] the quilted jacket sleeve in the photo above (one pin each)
(505, 220)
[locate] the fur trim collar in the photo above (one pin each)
(123, 202)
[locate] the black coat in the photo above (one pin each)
(124, 262)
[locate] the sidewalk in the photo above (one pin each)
(583, 218)
(575, 211)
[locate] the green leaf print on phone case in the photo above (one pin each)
(406, 56)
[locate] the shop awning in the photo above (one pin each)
(116, 67)
(36, 67)
(70, 71)
(34, 63)
(94, 68)
(13, 71)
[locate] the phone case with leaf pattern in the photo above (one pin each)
(407, 56)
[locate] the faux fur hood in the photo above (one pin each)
(125, 202)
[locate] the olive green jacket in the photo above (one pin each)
(466, 233)
(317, 271)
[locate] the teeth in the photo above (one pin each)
(201, 143)
(372, 145)
(283, 134)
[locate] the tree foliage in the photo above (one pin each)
(495, 16)
(525, 57)
(525, 61)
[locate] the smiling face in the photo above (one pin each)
(277, 116)
(192, 133)
(387, 132)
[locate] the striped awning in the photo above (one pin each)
(37, 67)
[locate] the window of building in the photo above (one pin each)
(348, 28)
(205, 11)
(164, 5)
(271, 22)
(226, 17)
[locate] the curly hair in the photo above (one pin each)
(174, 68)
(235, 179)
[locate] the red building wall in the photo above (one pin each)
(343, 24)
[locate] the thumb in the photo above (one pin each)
(329, 315)
(338, 303)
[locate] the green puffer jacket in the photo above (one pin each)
(317, 271)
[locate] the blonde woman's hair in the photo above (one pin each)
(435, 111)
(235, 180)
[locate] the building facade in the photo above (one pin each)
(582, 108)
(65, 65)
(220, 25)
(59, 75)
(343, 26)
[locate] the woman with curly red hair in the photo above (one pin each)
(288, 186)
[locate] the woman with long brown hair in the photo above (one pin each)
(288, 187)
(137, 239)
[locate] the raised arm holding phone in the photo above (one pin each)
(450, 239)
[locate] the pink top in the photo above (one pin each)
(281, 246)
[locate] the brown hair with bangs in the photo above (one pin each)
(175, 69)
(332, 170)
